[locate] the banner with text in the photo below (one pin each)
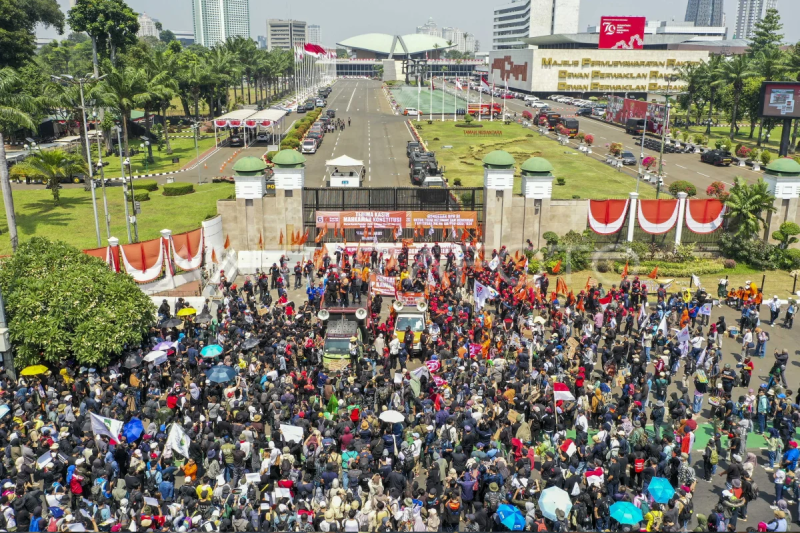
(622, 33)
(383, 285)
(392, 219)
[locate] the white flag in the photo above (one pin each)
(495, 262)
(109, 427)
(683, 335)
(458, 85)
(178, 440)
(642, 313)
(482, 293)
(662, 327)
(696, 281)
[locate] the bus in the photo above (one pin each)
(572, 125)
(484, 110)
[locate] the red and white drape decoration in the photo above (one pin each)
(254, 123)
(658, 216)
(232, 122)
(607, 216)
(704, 216)
(145, 261)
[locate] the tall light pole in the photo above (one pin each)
(127, 163)
(102, 177)
(124, 184)
(80, 81)
(664, 128)
(196, 128)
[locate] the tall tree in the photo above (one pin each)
(52, 166)
(767, 34)
(110, 24)
(18, 21)
(124, 89)
(734, 72)
(15, 113)
(708, 75)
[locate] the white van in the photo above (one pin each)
(530, 98)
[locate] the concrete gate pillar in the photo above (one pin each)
(537, 191)
(783, 179)
(498, 184)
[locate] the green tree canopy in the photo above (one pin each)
(747, 207)
(18, 20)
(62, 303)
(111, 25)
(767, 34)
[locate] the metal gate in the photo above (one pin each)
(391, 199)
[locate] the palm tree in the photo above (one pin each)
(52, 166)
(747, 206)
(163, 67)
(734, 72)
(196, 74)
(15, 109)
(124, 89)
(708, 75)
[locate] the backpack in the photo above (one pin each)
(408, 462)
(753, 491)
(687, 512)
(638, 465)
(714, 459)
(539, 525)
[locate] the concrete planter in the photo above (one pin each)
(756, 166)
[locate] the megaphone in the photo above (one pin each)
(422, 307)
(361, 313)
(397, 306)
(324, 314)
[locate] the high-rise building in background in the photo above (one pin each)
(748, 14)
(286, 34)
(314, 34)
(72, 3)
(262, 41)
(147, 26)
(430, 28)
(521, 19)
(185, 37)
(704, 12)
(216, 20)
(464, 41)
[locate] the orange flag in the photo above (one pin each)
(336, 231)
(463, 277)
(625, 270)
(324, 229)
(304, 238)
(557, 268)
(214, 256)
(391, 263)
(280, 239)
(292, 241)
(318, 238)
(260, 241)
(588, 283)
(561, 286)
(445, 281)
(341, 226)
(654, 273)
(227, 242)
(478, 231)
(297, 237)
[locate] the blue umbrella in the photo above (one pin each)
(133, 429)
(511, 517)
(220, 374)
(553, 498)
(212, 350)
(626, 513)
(660, 489)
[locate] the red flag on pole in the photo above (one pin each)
(214, 256)
(557, 268)
(227, 242)
(261, 241)
(280, 239)
(318, 237)
(625, 270)
(654, 273)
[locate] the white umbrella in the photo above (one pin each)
(553, 498)
(392, 416)
(156, 357)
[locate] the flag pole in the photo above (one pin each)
(504, 101)
(444, 84)
(419, 90)
(430, 94)
(491, 107)
(455, 99)
(480, 100)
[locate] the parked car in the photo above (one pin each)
(716, 157)
(538, 105)
(309, 146)
(316, 135)
(236, 140)
(411, 112)
(320, 102)
(628, 158)
(531, 98)
(262, 137)
(584, 111)
(331, 113)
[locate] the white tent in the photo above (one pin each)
(344, 161)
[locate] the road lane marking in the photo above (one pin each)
(706, 175)
(681, 166)
(351, 98)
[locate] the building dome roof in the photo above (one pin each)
(499, 159)
(784, 166)
(288, 158)
(537, 165)
(401, 45)
(249, 166)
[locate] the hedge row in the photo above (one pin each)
(142, 196)
(699, 267)
(178, 189)
(293, 139)
(147, 185)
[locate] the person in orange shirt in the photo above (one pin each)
(684, 318)
(190, 470)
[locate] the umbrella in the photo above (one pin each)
(4, 410)
(220, 374)
(250, 343)
(392, 416)
(203, 319)
(511, 517)
(212, 350)
(660, 489)
(34, 370)
(133, 429)
(156, 357)
(626, 513)
(539, 320)
(186, 311)
(554, 498)
(171, 323)
(164, 346)
(691, 424)
(132, 361)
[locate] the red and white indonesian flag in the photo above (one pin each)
(561, 392)
(568, 447)
(605, 301)
(439, 381)
(594, 477)
(474, 350)
(311, 50)
(108, 427)
(433, 366)
(484, 83)
(459, 87)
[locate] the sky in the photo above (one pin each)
(346, 18)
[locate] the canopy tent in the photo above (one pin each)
(348, 178)
(266, 119)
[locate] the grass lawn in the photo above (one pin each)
(585, 176)
(742, 137)
(181, 148)
(72, 220)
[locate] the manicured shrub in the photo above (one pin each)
(147, 185)
(142, 196)
(603, 266)
(682, 186)
(729, 263)
(178, 189)
(561, 181)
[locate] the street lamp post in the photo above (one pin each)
(144, 154)
(124, 185)
(664, 128)
(197, 151)
(131, 194)
(102, 178)
(80, 81)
